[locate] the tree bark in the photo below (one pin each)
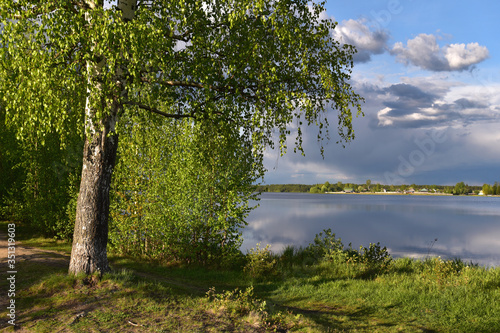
(90, 238)
(88, 254)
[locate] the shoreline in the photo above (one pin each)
(416, 193)
(390, 193)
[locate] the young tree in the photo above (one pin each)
(487, 190)
(257, 65)
(495, 189)
(461, 188)
(340, 187)
(181, 190)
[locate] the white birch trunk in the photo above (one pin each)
(89, 254)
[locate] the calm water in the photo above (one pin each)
(465, 227)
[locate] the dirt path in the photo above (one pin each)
(54, 258)
(24, 253)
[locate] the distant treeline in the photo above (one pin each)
(459, 189)
(284, 188)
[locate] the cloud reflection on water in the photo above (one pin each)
(466, 227)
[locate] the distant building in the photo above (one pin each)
(348, 190)
(424, 190)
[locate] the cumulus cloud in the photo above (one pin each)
(411, 106)
(423, 51)
(408, 106)
(461, 56)
(464, 153)
(366, 41)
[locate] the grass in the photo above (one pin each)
(33, 238)
(415, 301)
(316, 289)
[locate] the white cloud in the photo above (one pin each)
(383, 117)
(366, 41)
(431, 102)
(461, 56)
(423, 116)
(423, 51)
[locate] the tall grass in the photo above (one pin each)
(366, 290)
(324, 287)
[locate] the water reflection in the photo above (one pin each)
(465, 227)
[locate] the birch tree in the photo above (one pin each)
(265, 67)
(181, 191)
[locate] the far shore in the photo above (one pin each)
(402, 193)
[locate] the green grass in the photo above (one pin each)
(33, 238)
(294, 291)
(407, 295)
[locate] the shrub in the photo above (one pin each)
(258, 312)
(237, 301)
(261, 263)
(291, 256)
(443, 272)
(372, 260)
(181, 191)
(375, 255)
(325, 246)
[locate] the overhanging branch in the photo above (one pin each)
(161, 113)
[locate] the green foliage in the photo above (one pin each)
(491, 189)
(374, 258)
(442, 272)
(39, 181)
(283, 188)
(325, 245)
(461, 188)
(181, 191)
(237, 302)
(315, 189)
(487, 190)
(243, 70)
(260, 65)
(52, 181)
(339, 187)
(261, 263)
(374, 255)
(371, 260)
(244, 303)
(12, 175)
(411, 296)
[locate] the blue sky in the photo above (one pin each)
(430, 74)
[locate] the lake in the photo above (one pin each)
(467, 227)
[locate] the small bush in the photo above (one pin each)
(404, 265)
(243, 303)
(443, 272)
(325, 245)
(295, 256)
(237, 302)
(375, 255)
(261, 263)
(369, 261)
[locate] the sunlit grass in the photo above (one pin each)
(412, 295)
(312, 289)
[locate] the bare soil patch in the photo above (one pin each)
(25, 253)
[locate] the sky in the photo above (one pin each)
(430, 75)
